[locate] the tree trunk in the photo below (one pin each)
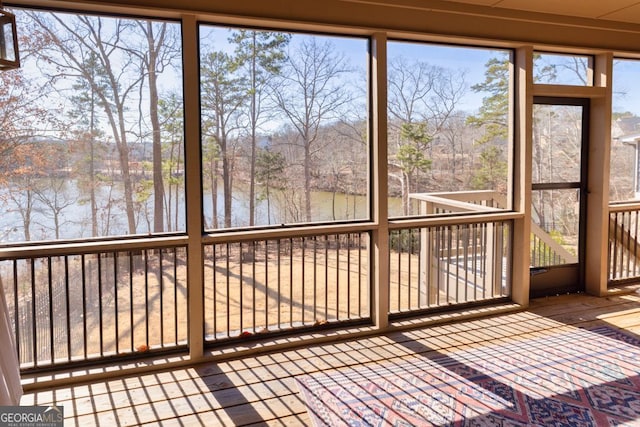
(252, 169)
(307, 181)
(92, 188)
(158, 183)
(226, 182)
(214, 194)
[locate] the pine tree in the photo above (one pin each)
(259, 56)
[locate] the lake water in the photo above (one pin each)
(75, 218)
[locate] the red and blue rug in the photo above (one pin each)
(582, 377)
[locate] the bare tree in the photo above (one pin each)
(345, 175)
(74, 39)
(54, 196)
(421, 92)
(159, 51)
(311, 92)
(454, 135)
(422, 100)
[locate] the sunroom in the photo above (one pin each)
(184, 186)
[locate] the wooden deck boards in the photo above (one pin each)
(261, 390)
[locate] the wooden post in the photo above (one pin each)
(596, 256)
(521, 168)
(380, 234)
(195, 252)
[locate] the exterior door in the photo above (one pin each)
(558, 195)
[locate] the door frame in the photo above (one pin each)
(566, 278)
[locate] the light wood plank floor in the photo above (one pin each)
(261, 390)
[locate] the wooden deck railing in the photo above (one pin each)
(624, 246)
(544, 250)
(87, 302)
(74, 304)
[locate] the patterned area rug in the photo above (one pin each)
(584, 377)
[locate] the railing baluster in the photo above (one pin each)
(399, 240)
(542, 253)
(465, 261)
(279, 284)
(627, 221)
(34, 334)
(634, 272)
(51, 325)
(623, 251)
(291, 275)
(439, 237)
(241, 288)
(485, 258)
(17, 317)
(266, 285)
(315, 279)
(471, 232)
(145, 253)
(115, 305)
(218, 287)
(175, 296)
(131, 304)
(228, 276)
(100, 306)
(253, 282)
(408, 249)
(390, 288)
(359, 275)
(348, 276)
(337, 239)
(84, 305)
(449, 231)
(161, 290)
(326, 277)
(303, 305)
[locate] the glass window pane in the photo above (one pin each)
(448, 133)
(284, 127)
(92, 129)
(625, 131)
(562, 69)
(557, 142)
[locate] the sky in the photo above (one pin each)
(626, 93)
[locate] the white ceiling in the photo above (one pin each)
(610, 10)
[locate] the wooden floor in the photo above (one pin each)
(261, 390)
